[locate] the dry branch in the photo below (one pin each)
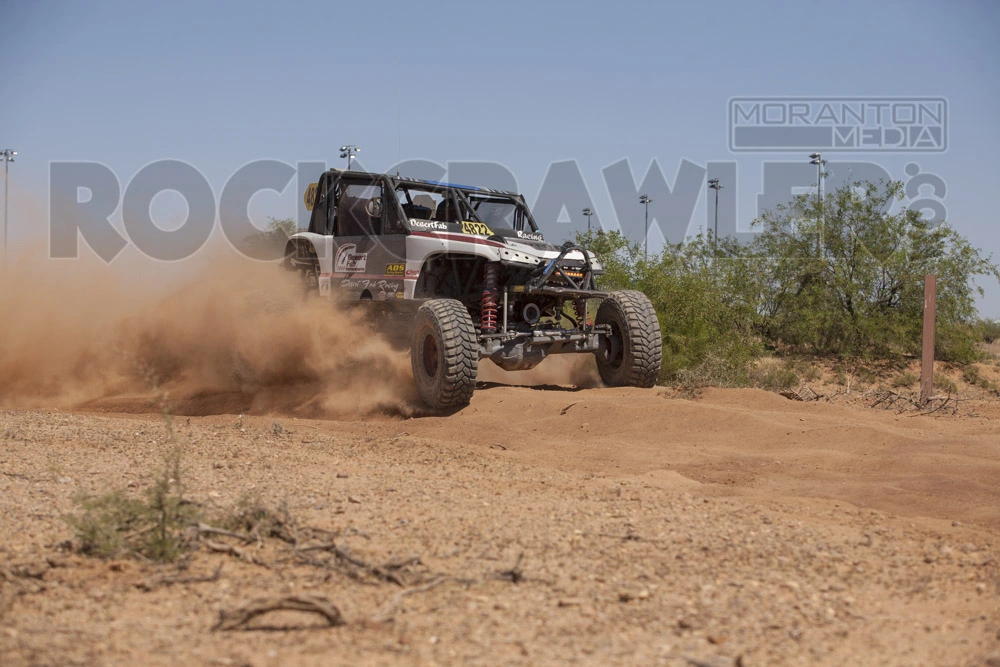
(238, 618)
(389, 609)
(170, 581)
(514, 574)
(891, 400)
(242, 554)
(384, 573)
(204, 529)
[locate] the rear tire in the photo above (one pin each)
(631, 355)
(444, 354)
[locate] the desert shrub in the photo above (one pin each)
(104, 526)
(944, 383)
(990, 330)
(114, 524)
(867, 375)
(713, 371)
(250, 516)
(987, 384)
(776, 378)
(971, 374)
(706, 321)
(905, 379)
(845, 276)
(809, 372)
(854, 291)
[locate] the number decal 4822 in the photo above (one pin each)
(476, 228)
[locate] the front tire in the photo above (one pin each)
(631, 355)
(444, 354)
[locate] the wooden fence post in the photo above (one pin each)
(927, 356)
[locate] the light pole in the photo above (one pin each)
(817, 159)
(348, 151)
(646, 201)
(715, 185)
(8, 157)
(587, 212)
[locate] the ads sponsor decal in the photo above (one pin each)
(348, 260)
(531, 236)
(396, 269)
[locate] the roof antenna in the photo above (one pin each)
(399, 132)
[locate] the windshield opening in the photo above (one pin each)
(432, 204)
(441, 203)
(504, 212)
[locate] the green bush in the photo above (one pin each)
(867, 376)
(844, 276)
(944, 383)
(990, 330)
(113, 524)
(107, 521)
(855, 291)
(906, 379)
(777, 379)
(705, 317)
(809, 372)
(713, 371)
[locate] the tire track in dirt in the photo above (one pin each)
(740, 441)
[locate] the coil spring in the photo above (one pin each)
(581, 312)
(491, 293)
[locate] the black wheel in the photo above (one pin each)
(630, 356)
(444, 354)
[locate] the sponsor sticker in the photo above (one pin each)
(531, 236)
(427, 224)
(397, 269)
(476, 228)
(412, 273)
(348, 260)
(379, 285)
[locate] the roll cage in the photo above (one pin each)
(466, 200)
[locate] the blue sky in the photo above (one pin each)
(523, 84)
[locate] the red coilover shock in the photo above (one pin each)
(491, 293)
(581, 313)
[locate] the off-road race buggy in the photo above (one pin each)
(467, 274)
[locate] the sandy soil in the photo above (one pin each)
(537, 526)
(554, 524)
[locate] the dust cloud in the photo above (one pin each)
(220, 335)
(215, 334)
(579, 370)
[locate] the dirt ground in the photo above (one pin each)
(560, 523)
(536, 526)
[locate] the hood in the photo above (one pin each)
(526, 243)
